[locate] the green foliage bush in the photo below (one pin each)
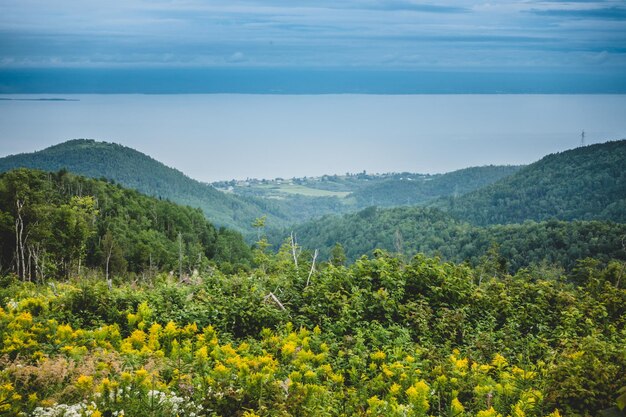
(380, 336)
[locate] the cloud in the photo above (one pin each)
(237, 57)
(312, 33)
(601, 13)
(400, 5)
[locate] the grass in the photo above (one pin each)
(302, 190)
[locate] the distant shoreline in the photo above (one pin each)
(38, 99)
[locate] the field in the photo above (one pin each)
(300, 190)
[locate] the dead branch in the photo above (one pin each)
(293, 250)
(308, 280)
(272, 297)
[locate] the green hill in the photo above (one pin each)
(413, 189)
(301, 199)
(56, 224)
(587, 183)
(136, 170)
(283, 202)
(557, 210)
(411, 230)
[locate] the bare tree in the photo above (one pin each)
(180, 256)
(308, 280)
(20, 261)
(294, 250)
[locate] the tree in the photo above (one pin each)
(259, 225)
(337, 255)
(75, 224)
(113, 257)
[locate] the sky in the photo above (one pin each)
(521, 37)
(314, 48)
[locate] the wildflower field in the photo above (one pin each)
(381, 337)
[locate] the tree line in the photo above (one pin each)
(56, 224)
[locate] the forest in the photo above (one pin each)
(54, 224)
(132, 169)
(586, 183)
(238, 209)
(410, 230)
(114, 303)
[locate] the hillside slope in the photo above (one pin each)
(136, 170)
(55, 224)
(587, 183)
(292, 201)
(411, 230)
(302, 199)
(409, 189)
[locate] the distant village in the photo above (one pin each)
(348, 177)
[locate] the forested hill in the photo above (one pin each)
(587, 183)
(56, 224)
(411, 230)
(136, 170)
(412, 189)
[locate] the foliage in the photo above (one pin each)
(378, 337)
(358, 191)
(410, 189)
(411, 230)
(237, 210)
(138, 171)
(54, 224)
(587, 183)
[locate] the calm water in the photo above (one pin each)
(213, 137)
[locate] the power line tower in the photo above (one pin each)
(582, 138)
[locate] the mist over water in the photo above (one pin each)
(224, 136)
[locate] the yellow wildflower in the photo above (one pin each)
(84, 382)
(499, 361)
(456, 407)
(488, 413)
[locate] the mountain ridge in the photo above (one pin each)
(293, 201)
(139, 171)
(575, 200)
(585, 183)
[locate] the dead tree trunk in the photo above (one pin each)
(180, 256)
(308, 280)
(293, 250)
(19, 241)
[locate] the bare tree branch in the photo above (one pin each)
(308, 280)
(272, 297)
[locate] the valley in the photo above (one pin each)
(486, 291)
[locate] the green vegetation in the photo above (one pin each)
(410, 189)
(587, 183)
(283, 202)
(411, 230)
(135, 170)
(380, 337)
(53, 225)
(357, 191)
(114, 303)
(278, 191)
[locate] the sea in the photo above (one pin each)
(213, 137)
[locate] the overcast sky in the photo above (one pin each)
(528, 35)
